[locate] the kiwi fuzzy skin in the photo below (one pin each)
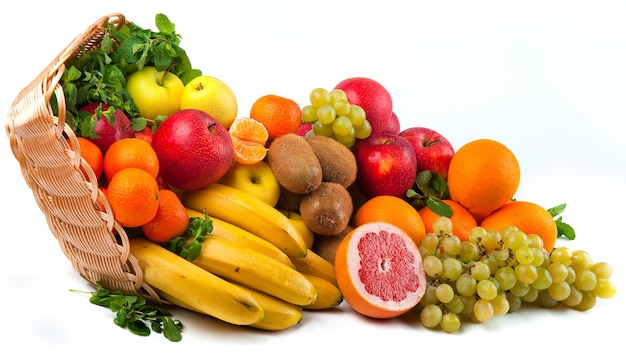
(337, 161)
(327, 210)
(294, 163)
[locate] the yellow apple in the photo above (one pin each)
(212, 96)
(257, 179)
(155, 93)
(296, 220)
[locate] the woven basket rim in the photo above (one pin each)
(63, 184)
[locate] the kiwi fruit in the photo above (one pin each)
(337, 161)
(326, 245)
(294, 163)
(327, 210)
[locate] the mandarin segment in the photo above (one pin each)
(249, 138)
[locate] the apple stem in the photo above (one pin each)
(427, 143)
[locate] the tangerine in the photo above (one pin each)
(278, 114)
(130, 152)
(133, 195)
(483, 175)
(528, 217)
(462, 220)
(171, 219)
(92, 155)
(249, 137)
(393, 210)
(379, 270)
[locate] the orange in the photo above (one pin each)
(133, 195)
(379, 270)
(92, 154)
(171, 219)
(483, 175)
(528, 217)
(130, 152)
(249, 137)
(462, 220)
(393, 210)
(278, 114)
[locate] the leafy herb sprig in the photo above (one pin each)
(429, 190)
(190, 245)
(133, 312)
(98, 73)
(564, 230)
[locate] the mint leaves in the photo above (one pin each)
(429, 190)
(563, 230)
(190, 245)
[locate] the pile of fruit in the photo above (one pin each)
(294, 208)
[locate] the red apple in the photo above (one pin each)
(304, 129)
(432, 150)
(386, 165)
(393, 126)
(373, 98)
(193, 148)
(107, 133)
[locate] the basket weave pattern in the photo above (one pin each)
(64, 186)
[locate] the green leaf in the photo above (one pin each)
(138, 327)
(557, 210)
(437, 206)
(171, 329)
(164, 24)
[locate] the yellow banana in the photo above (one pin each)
(249, 213)
(239, 236)
(278, 314)
(193, 286)
(328, 294)
(255, 270)
(316, 265)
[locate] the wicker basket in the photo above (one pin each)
(77, 212)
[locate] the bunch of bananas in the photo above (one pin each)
(254, 268)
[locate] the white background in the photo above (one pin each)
(546, 78)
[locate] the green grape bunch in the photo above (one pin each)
(330, 114)
(496, 272)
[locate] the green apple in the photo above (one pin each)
(298, 222)
(212, 96)
(155, 93)
(257, 179)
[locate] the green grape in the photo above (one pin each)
(561, 254)
(451, 245)
(574, 298)
(342, 108)
(540, 257)
(515, 302)
(452, 269)
(469, 251)
(515, 239)
(520, 289)
(319, 97)
(455, 305)
(347, 140)
(432, 266)
(586, 280)
(588, 301)
(531, 295)
(544, 279)
(430, 241)
(581, 261)
(477, 235)
(444, 293)
(602, 270)
(450, 322)
(356, 115)
(466, 285)
(502, 256)
(480, 271)
(506, 277)
(559, 291)
(526, 273)
(524, 255)
(545, 300)
(429, 296)
(483, 310)
(323, 130)
(468, 304)
(605, 289)
(431, 316)
(486, 289)
(326, 114)
(343, 127)
(336, 95)
(442, 226)
(491, 240)
(535, 241)
(491, 262)
(500, 304)
(558, 271)
(309, 114)
(363, 130)
(571, 275)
